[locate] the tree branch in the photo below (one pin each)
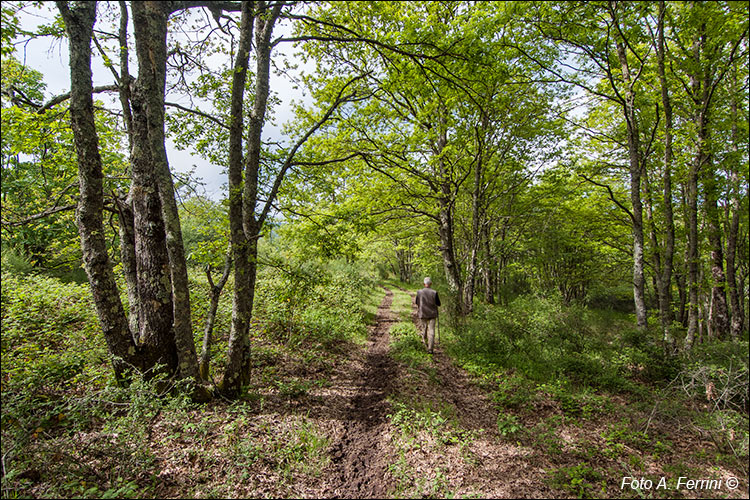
(340, 98)
(199, 113)
(611, 196)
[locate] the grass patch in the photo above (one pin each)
(424, 427)
(402, 305)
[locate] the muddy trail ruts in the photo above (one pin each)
(361, 454)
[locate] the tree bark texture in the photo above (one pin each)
(128, 259)
(79, 22)
(150, 24)
(241, 305)
(155, 309)
(634, 154)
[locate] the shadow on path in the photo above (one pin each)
(362, 452)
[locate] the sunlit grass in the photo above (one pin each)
(402, 304)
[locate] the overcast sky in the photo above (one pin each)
(50, 57)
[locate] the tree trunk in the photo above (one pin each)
(241, 307)
(665, 298)
(488, 275)
(719, 312)
(734, 215)
(216, 289)
(445, 217)
(156, 336)
(128, 258)
(692, 253)
(634, 153)
(477, 214)
(447, 252)
(238, 358)
(79, 22)
(150, 24)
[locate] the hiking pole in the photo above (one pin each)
(438, 328)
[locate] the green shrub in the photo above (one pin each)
(508, 425)
(581, 480)
(15, 263)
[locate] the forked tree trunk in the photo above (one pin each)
(245, 198)
(150, 23)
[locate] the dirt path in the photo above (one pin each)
(361, 452)
(354, 410)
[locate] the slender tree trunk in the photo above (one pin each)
(238, 358)
(639, 281)
(79, 22)
(128, 258)
(445, 217)
(476, 224)
(241, 307)
(216, 289)
(692, 253)
(719, 312)
(702, 315)
(734, 224)
(447, 251)
(682, 293)
(489, 288)
(665, 299)
(656, 257)
(125, 206)
(692, 196)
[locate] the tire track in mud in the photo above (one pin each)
(361, 455)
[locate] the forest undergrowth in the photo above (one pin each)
(531, 398)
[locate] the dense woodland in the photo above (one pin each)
(572, 175)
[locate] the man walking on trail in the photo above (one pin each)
(428, 302)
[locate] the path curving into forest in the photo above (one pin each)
(361, 453)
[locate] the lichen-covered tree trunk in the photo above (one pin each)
(150, 24)
(125, 206)
(241, 305)
(79, 22)
(156, 337)
(128, 259)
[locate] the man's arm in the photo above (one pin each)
(437, 299)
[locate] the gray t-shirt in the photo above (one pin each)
(428, 302)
